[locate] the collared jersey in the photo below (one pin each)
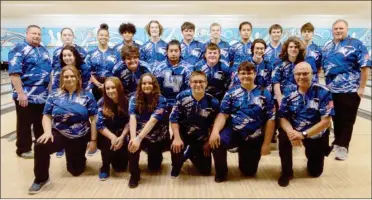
(118, 47)
(101, 63)
(272, 53)
(342, 63)
(314, 58)
(240, 52)
(195, 117)
(71, 113)
(153, 53)
(193, 52)
(305, 110)
(248, 110)
(33, 64)
(115, 124)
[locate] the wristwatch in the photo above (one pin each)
(304, 133)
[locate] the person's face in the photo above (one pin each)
(246, 32)
(111, 91)
(198, 84)
(67, 37)
(69, 79)
(103, 37)
(307, 35)
(292, 49)
(247, 77)
(275, 35)
(259, 50)
(212, 56)
(188, 34)
(339, 31)
(173, 53)
(68, 57)
(154, 29)
(127, 36)
(146, 85)
(132, 62)
(215, 32)
(33, 36)
(303, 76)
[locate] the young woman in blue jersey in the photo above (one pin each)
(113, 124)
(246, 120)
(192, 51)
(69, 122)
(67, 37)
(191, 120)
(217, 71)
(154, 50)
(127, 31)
(130, 69)
(148, 128)
(101, 61)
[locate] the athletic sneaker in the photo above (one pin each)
(60, 154)
(27, 155)
(36, 187)
(103, 176)
(341, 153)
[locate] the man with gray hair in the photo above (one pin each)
(305, 115)
(346, 66)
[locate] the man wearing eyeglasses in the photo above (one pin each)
(191, 120)
(305, 115)
(246, 120)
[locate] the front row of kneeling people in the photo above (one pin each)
(201, 124)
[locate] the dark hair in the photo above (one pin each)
(245, 23)
(307, 27)
(67, 28)
(275, 26)
(127, 27)
(246, 66)
(109, 106)
(258, 40)
(174, 42)
(103, 26)
(32, 26)
(149, 24)
(78, 59)
(299, 44)
(147, 103)
(129, 51)
(187, 25)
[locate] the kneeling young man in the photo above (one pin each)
(249, 112)
(305, 115)
(191, 120)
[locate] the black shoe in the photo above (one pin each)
(133, 183)
(220, 179)
(175, 172)
(284, 180)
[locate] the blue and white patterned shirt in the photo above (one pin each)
(240, 52)
(224, 50)
(193, 52)
(101, 63)
(314, 58)
(271, 53)
(153, 53)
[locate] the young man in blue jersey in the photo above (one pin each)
(241, 51)
(313, 51)
(215, 32)
(246, 120)
(346, 65)
(127, 31)
(192, 51)
(275, 46)
(191, 120)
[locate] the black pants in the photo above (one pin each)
(315, 151)
(346, 109)
(32, 114)
(118, 159)
(196, 154)
(154, 156)
(249, 153)
(98, 93)
(75, 155)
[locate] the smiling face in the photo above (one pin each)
(303, 75)
(127, 36)
(111, 90)
(147, 85)
(198, 83)
(212, 56)
(68, 57)
(246, 78)
(154, 29)
(69, 79)
(293, 49)
(275, 35)
(339, 31)
(259, 50)
(188, 34)
(33, 36)
(103, 37)
(132, 62)
(215, 32)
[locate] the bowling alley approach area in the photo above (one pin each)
(340, 179)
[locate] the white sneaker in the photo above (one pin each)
(335, 148)
(27, 155)
(341, 153)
